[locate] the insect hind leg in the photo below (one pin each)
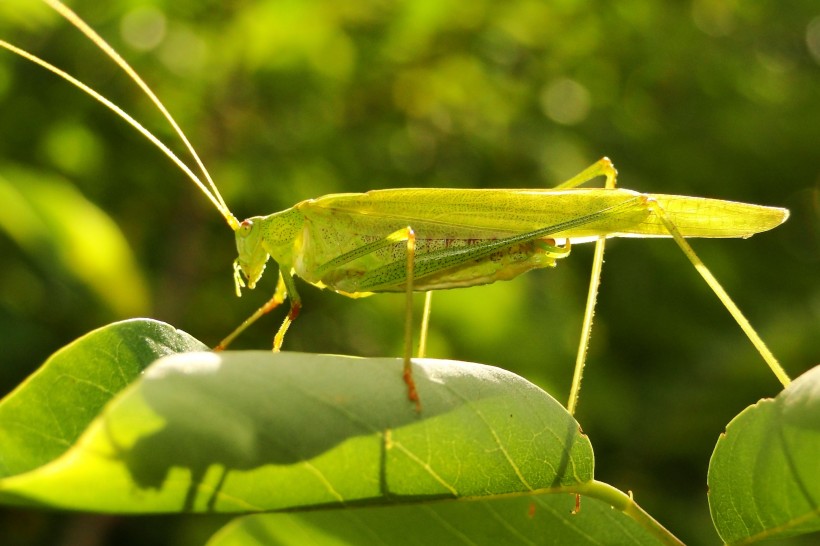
(720, 292)
(602, 167)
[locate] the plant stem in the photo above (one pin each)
(626, 504)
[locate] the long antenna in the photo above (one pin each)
(213, 193)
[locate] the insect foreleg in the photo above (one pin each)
(278, 298)
(722, 295)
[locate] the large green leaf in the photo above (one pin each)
(764, 477)
(46, 414)
(252, 431)
(262, 431)
(533, 519)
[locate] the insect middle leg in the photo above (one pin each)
(407, 372)
(602, 167)
(404, 235)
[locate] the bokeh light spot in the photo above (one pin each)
(143, 28)
(813, 38)
(565, 101)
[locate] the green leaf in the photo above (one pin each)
(531, 519)
(46, 414)
(234, 432)
(764, 476)
(248, 431)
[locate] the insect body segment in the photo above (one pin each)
(260, 237)
(341, 242)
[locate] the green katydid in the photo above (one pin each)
(406, 240)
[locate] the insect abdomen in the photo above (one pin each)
(432, 271)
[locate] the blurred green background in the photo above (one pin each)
(287, 100)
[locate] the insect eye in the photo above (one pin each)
(245, 227)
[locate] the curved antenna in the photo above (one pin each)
(213, 193)
(131, 121)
